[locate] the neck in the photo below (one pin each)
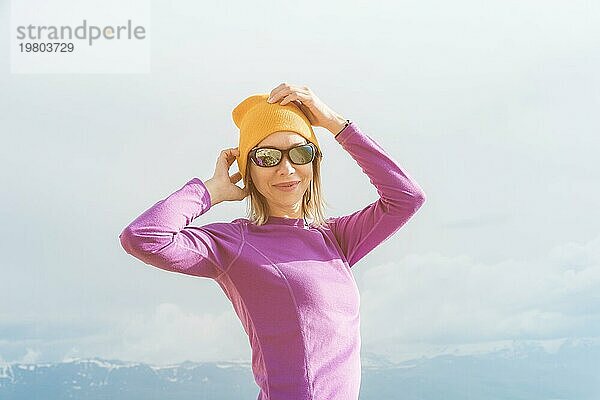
(296, 212)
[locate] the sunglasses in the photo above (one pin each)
(270, 156)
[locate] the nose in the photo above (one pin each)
(285, 165)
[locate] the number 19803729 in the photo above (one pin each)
(55, 47)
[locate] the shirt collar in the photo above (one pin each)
(299, 222)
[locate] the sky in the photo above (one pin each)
(492, 107)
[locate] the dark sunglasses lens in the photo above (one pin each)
(302, 154)
(267, 157)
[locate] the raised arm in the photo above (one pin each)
(400, 197)
(162, 237)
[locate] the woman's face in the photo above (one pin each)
(282, 202)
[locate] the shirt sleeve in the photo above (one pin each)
(161, 236)
(400, 196)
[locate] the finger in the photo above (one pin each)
(226, 158)
(276, 89)
(227, 152)
(235, 177)
(290, 97)
(300, 96)
(222, 156)
(280, 91)
(275, 96)
(230, 155)
(287, 98)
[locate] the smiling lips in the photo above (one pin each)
(288, 186)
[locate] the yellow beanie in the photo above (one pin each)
(257, 119)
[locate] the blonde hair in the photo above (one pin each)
(313, 201)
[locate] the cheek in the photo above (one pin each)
(260, 178)
(308, 172)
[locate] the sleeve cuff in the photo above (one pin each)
(341, 134)
(202, 191)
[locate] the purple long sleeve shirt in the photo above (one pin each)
(291, 286)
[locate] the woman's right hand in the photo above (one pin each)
(222, 186)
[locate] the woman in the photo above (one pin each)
(289, 281)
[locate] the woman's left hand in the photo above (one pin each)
(317, 112)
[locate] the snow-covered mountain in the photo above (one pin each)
(571, 370)
(112, 379)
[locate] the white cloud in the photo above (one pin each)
(169, 335)
(456, 300)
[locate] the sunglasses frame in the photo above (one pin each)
(252, 154)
